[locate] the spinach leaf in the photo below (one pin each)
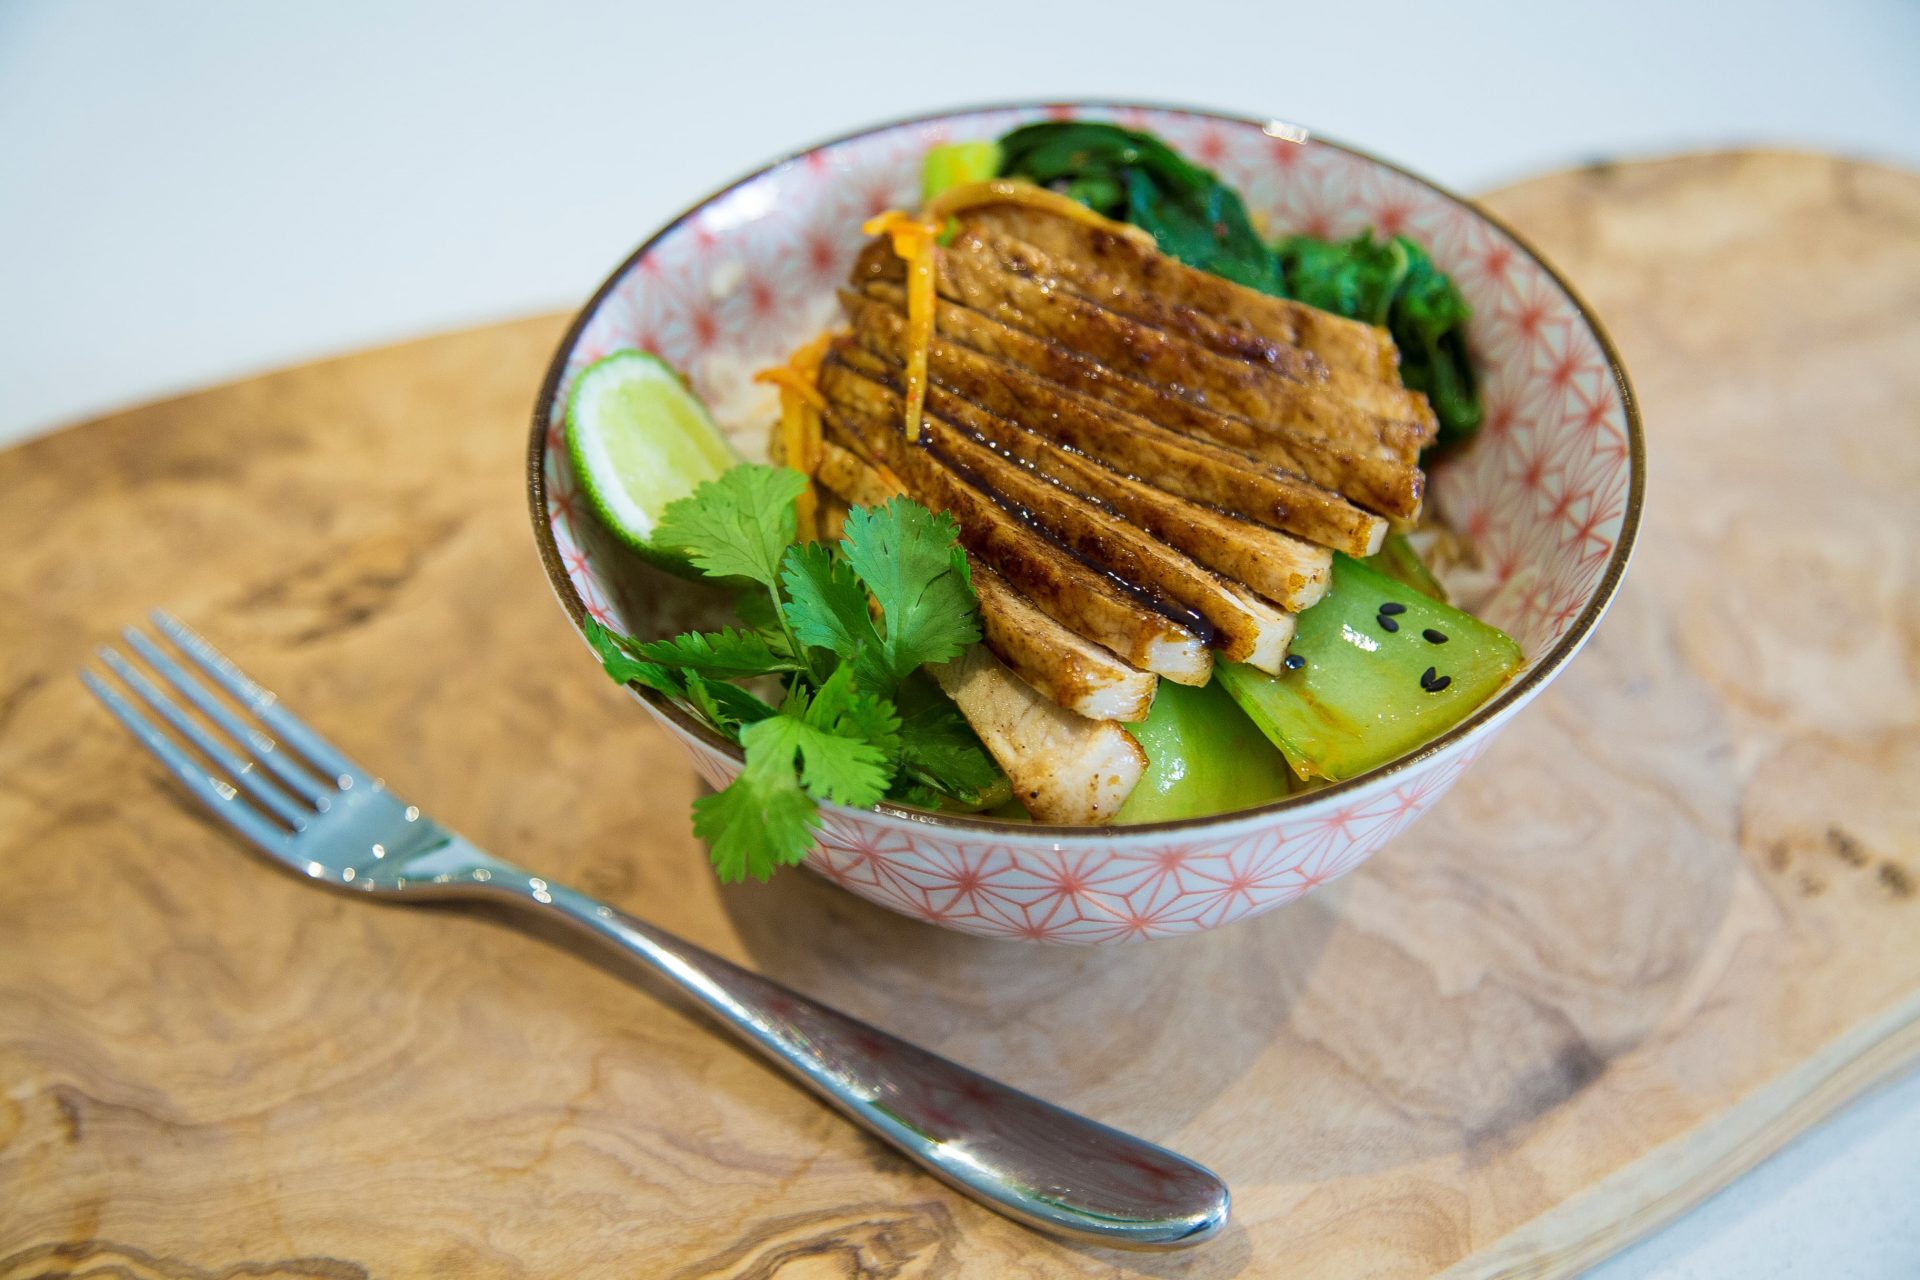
(1137, 178)
(1394, 283)
(1428, 321)
(1355, 278)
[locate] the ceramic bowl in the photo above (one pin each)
(1549, 492)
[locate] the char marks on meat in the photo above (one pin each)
(1148, 464)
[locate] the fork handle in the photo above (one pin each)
(1033, 1161)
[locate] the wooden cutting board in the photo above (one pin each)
(1670, 920)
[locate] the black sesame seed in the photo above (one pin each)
(1434, 637)
(1386, 623)
(1439, 684)
(1295, 662)
(1426, 678)
(1393, 607)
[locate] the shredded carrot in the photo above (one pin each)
(973, 195)
(914, 242)
(800, 430)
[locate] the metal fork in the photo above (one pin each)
(312, 810)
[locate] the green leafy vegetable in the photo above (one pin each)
(1134, 176)
(827, 606)
(1429, 325)
(736, 526)
(724, 653)
(911, 561)
(1198, 219)
(939, 756)
(840, 737)
(1356, 278)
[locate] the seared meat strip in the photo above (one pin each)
(1290, 572)
(1383, 478)
(1244, 630)
(1128, 443)
(1063, 587)
(1069, 669)
(1075, 673)
(1063, 768)
(1298, 398)
(1341, 343)
(1375, 476)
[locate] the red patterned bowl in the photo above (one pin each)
(1549, 492)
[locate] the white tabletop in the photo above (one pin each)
(194, 192)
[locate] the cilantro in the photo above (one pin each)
(938, 751)
(911, 562)
(723, 653)
(737, 525)
(829, 609)
(766, 817)
(895, 594)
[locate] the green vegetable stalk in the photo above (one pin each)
(1382, 668)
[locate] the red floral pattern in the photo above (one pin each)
(1542, 492)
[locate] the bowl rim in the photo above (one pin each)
(1474, 726)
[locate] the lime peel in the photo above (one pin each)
(638, 440)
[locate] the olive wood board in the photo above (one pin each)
(1667, 922)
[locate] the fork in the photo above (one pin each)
(312, 810)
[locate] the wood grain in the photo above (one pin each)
(1667, 922)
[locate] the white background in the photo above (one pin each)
(189, 193)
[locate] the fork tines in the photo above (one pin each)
(243, 742)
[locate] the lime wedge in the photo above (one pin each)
(639, 440)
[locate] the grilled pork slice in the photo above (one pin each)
(1380, 478)
(1341, 343)
(1287, 570)
(1063, 767)
(1377, 477)
(1301, 397)
(1069, 669)
(1243, 630)
(1127, 442)
(852, 478)
(1060, 585)
(1077, 674)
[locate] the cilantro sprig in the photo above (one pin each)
(840, 632)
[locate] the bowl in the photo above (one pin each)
(1549, 492)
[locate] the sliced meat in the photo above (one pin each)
(1290, 572)
(1064, 768)
(853, 478)
(1375, 476)
(1076, 673)
(1072, 671)
(1341, 343)
(1381, 478)
(1126, 442)
(1241, 629)
(1298, 397)
(1061, 585)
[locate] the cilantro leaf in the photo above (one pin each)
(726, 706)
(911, 563)
(737, 525)
(762, 819)
(766, 817)
(723, 653)
(843, 707)
(939, 752)
(615, 653)
(827, 607)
